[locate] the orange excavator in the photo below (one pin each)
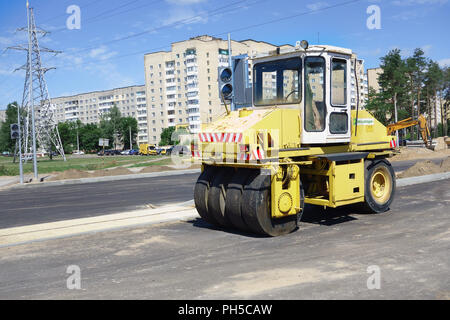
(409, 122)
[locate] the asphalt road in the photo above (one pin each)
(40, 204)
(327, 258)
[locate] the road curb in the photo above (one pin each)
(423, 179)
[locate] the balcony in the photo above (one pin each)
(193, 72)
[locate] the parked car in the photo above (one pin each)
(6, 154)
(133, 152)
(115, 153)
(27, 157)
(107, 152)
(77, 152)
(125, 152)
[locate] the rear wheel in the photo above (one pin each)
(256, 208)
(217, 196)
(201, 192)
(234, 199)
(379, 186)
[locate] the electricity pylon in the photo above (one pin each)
(39, 130)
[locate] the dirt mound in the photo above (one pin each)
(111, 172)
(445, 165)
(412, 153)
(440, 144)
(70, 174)
(155, 169)
(421, 168)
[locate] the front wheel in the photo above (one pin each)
(379, 186)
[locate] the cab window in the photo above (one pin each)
(338, 82)
(277, 82)
(315, 109)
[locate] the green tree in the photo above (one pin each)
(433, 82)
(166, 136)
(377, 105)
(126, 124)
(6, 143)
(393, 82)
(110, 125)
(89, 135)
(68, 133)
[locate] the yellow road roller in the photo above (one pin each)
(302, 137)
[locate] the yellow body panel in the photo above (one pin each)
(277, 132)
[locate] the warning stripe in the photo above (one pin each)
(220, 137)
(196, 154)
(393, 143)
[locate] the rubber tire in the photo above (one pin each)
(216, 198)
(370, 205)
(302, 204)
(233, 202)
(256, 208)
(201, 191)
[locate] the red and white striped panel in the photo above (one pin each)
(254, 155)
(196, 154)
(220, 137)
(393, 143)
(257, 154)
(243, 157)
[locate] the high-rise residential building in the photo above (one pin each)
(372, 77)
(88, 107)
(181, 84)
(358, 83)
(2, 115)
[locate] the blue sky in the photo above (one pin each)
(108, 50)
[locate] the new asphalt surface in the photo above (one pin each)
(40, 204)
(336, 254)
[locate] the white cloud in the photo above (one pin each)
(444, 62)
(185, 2)
(184, 16)
(101, 53)
(418, 2)
(317, 5)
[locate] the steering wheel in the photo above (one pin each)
(296, 90)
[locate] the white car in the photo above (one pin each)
(125, 152)
(78, 152)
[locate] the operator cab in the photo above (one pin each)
(314, 79)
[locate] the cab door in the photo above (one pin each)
(315, 105)
(339, 107)
(326, 104)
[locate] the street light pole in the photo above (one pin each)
(131, 144)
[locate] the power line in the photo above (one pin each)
(229, 31)
(189, 20)
(173, 24)
(65, 14)
(100, 16)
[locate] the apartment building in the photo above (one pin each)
(358, 83)
(2, 115)
(181, 84)
(89, 107)
(372, 76)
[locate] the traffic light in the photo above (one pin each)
(225, 83)
(14, 131)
